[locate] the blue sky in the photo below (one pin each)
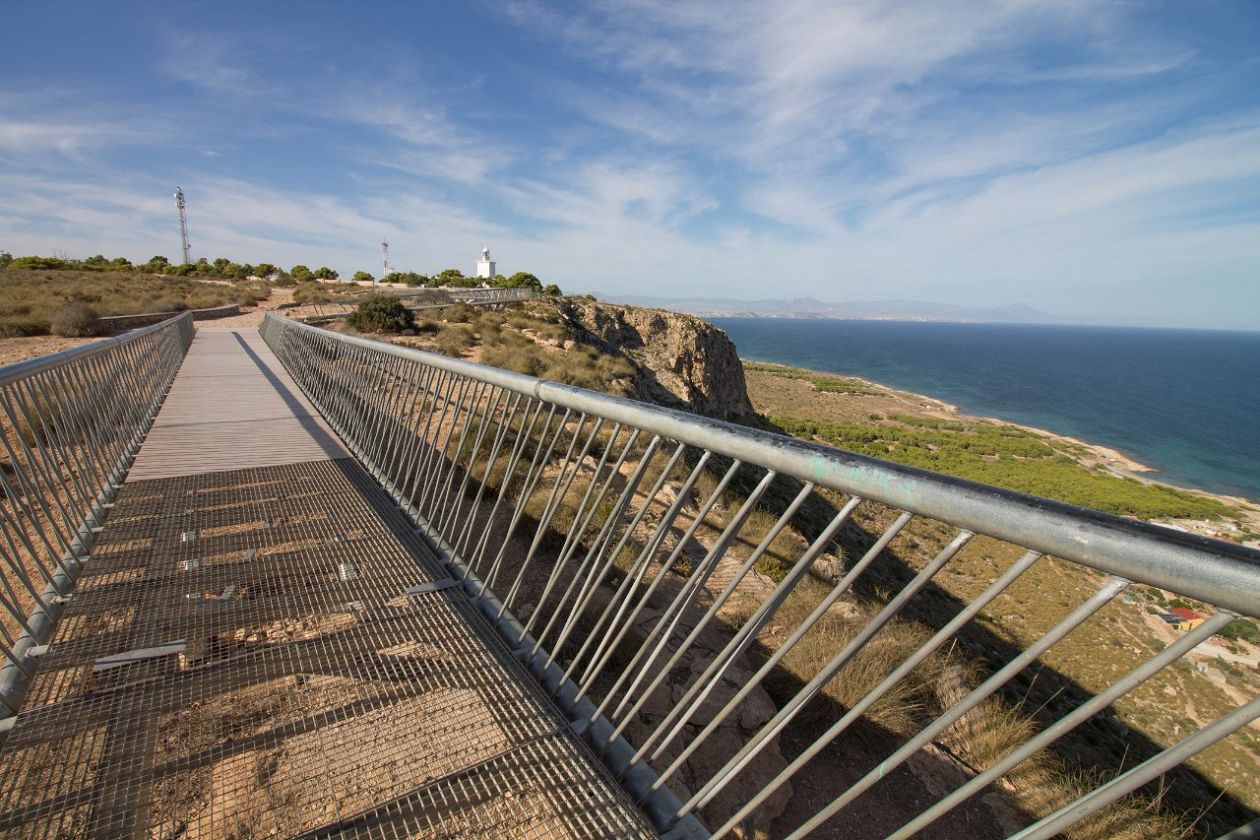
(1095, 159)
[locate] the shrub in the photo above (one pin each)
(310, 293)
(77, 320)
(171, 306)
(381, 313)
(22, 327)
(455, 340)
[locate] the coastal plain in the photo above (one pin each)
(860, 415)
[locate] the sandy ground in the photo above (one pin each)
(20, 349)
(253, 318)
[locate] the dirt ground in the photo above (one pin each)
(20, 349)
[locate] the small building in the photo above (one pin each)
(485, 265)
(1182, 619)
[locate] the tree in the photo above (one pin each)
(264, 270)
(363, 277)
(222, 266)
(448, 277)
(120, 264)
(551, 289)
(242, 271)
(300, 273)
(523, 279)
(325, 273)
(159, 260)
(5, 259)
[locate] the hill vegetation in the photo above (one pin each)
(31, 298)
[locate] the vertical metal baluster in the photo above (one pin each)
(491, 402)
(1180, 646)
(541, 460)
(507, 414)
(97, 468)
(518, 446)
(970, 611)
(745, 636)
(31, 495)
(1147, 771)
(584, 513)
(532, 470)
(429, 443)
(641, 663)
(1096, 602)
(39, 466)
(444, 456)
(557, 613)
(825, 674)
(604, 653)
(410, 460)
(70, 465)
(393, 467)
(622, 596)
(549, 509)
(599, 572)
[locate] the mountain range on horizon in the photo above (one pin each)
(809, 307)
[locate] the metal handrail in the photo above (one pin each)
(565, 512)
(70, 425)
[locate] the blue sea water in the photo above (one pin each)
(1186, 402)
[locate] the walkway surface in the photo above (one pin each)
(260, 646)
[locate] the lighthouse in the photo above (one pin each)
(485, 265)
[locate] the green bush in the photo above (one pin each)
(1005, 456)
(77, 320)
(381, 313)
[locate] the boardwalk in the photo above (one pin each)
(261, 646)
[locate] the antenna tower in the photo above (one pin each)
(183, 224)
(384, 260)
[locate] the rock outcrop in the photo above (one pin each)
(682, 361)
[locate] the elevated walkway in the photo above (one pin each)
(260, 645)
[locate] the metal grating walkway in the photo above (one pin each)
(243, 658)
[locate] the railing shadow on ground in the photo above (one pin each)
(422, 424)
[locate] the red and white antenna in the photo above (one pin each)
(384, 259)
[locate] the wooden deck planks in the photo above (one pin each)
(232, 406)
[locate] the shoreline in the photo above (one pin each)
(1108, 458)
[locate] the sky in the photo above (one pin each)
(1096, 160)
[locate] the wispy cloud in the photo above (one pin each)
(984, 152)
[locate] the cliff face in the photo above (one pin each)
(682, 361)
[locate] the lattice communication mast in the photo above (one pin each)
(384, 260)
(183, 224)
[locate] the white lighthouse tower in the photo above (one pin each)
(485, 265)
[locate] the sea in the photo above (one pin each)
(1184, 402)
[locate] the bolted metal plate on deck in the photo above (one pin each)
(298, 700)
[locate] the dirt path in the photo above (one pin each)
(253, 318)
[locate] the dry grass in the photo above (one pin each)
(30, 299)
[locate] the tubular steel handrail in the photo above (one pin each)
(691, 591)
(71, 425)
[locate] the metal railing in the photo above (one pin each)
(497, 295)
(70, 425)
(720, 610)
